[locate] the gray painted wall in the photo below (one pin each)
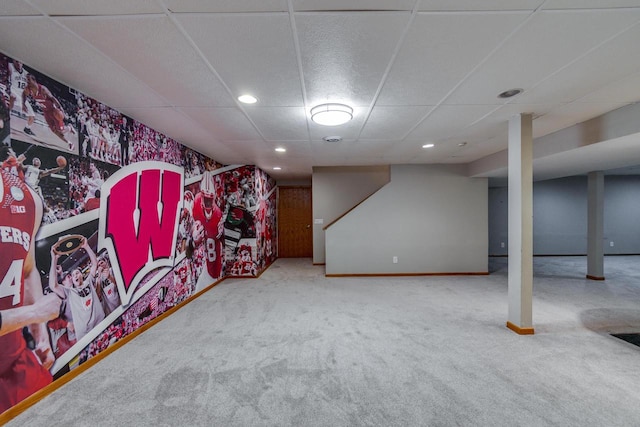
(335, 191)
(432, 217)
(560, 216)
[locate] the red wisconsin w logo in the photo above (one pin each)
(139, 216)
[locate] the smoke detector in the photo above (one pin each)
(332, 138)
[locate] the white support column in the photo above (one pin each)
(520, 224)
(595, 226)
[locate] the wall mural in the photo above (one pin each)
(104, 225)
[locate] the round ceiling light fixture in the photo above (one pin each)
(510, 93)
(247, 99)
(332, 138)
(331, 114)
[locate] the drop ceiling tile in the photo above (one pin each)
(280, 123)
(623, 90)
(345, 5)
(223, 123)
(88, 8)
(564, 87)
(17, 8)
(448, 120)
(345, 55)
(392, 122)
(570, 114)
(295, 149)
(496, 121)
(170, 66)
(248, 149)
(226, 6)
(439, 51)
(32, 40)
(261, 59)
(589, 4)
(557, 37)
(474, 5)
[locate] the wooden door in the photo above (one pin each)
(295, 234)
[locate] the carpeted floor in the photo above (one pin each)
(294, 348)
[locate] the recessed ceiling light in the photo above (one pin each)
(331, 114)
(281, 149)
(462, 144)
(510, 93)
(247, 99)
(277, 168)
(332, 138)
(428, 146)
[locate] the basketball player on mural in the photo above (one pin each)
(33, 174)
(208, 226)
(23, 307)
(51, 108)
(18, 102)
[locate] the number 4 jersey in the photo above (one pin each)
(17, 222)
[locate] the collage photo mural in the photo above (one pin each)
(105, 224)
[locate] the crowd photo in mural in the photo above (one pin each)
(105, 224)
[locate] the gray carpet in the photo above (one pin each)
(294, 348)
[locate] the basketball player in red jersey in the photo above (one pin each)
(207, 217)
(22, 303)
(51, 108)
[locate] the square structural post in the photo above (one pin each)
(520, 270)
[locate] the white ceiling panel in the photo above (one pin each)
(224, 123)
(570, 114)
(471, 5)
(543, 45)
(623, 90)
(589, 4)
(294, 149)
(496, 122)
(280, 123)
(345, 55)
(448, 120)
(624, 51)
(389, 122)
(16, 7)
(226, 6)
(248, 149)
(171, 66)
(345, 5)
(439, 51)
(261, 59)
(32, 40)
(88, 8)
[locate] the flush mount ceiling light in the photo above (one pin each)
(247, 99)
(428, 146)
(510, 93)
(332, 138)
(281, 149)
(331, 114)
(277, 168)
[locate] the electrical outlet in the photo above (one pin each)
(502, 244)
(611, 244)
(395, 259)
